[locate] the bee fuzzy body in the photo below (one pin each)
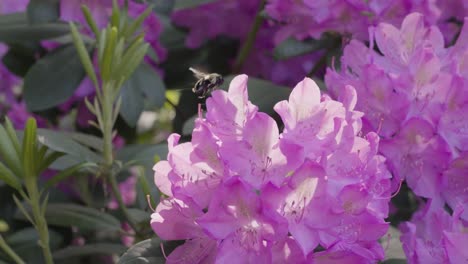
(206, 83)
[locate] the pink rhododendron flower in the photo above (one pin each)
(413, 94)
(433, 236)
(304, 18)
(243, 190)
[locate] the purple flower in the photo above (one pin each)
(433, 236)
(241, 189)
(127, 189)
(303, 19)
(413, 93)
(455, 184)
(18, 114)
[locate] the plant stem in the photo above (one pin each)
(9, 251)
(118, 197)
(248, 44)
(107, 116)
(39, 220)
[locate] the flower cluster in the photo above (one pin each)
(242, 190)
(414, 93)
(303, 19)
(234, 19)
(433, 236)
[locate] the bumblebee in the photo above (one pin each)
(206, 83)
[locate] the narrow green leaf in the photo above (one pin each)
(64, 174)
(44, 203)
(7, 153)
(89, 249)
(106, 64)
(145, 187)
(82, 217)
(49, 159)
(9, 178)
(57, 75)
(136, 24)
(132, 61)
(129, 52)
(83, 53)
(23, 210)
(90, 20)
(118, 52)
(12, 134)
(102, 45)
(29, 152)
(115, 16)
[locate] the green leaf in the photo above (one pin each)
(8, 153)
(12, 135)
(24, 243)
(147, 251)
(142, 154)
(136, 24)
(83, 54)
(64, 143)
(132, 103)
(43, 11)
(29, 159)
(89, 249)
(262, 93)
(57, 75)
(187, 129)
(151, 84)
(13, 19)
(162, 7)
(82, 217)
(20, 57)
(9, 178)
(139, 216)
(184, 4)
(144, 83)
(106, 63)
(88, 140)
(292, 47)
(394, 261)
(172, 37)
(89, 19)
(13, 33)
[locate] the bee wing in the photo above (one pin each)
(198, 74)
